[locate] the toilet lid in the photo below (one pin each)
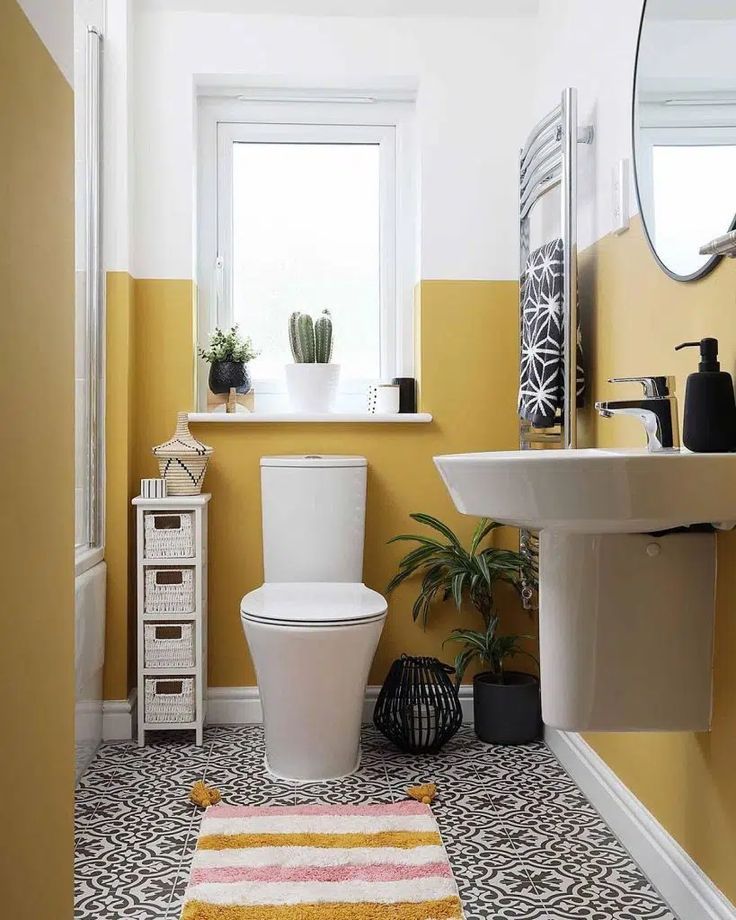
(313, 604)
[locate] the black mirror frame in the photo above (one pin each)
(708, 267)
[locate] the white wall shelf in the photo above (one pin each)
(345, 418)
(198, 563)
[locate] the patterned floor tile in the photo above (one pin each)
(177, 894)
(503, 893)
(523, 841)
(90, 889)
(241, 786)
(367, 785)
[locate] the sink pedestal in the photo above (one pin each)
(626, 619)
(626, 631)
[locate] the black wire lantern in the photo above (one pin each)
(418, 708)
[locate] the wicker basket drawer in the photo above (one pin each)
(169, 534)
(170, 699)
(169, 590)
(169, 645)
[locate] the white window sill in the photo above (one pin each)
(257, 418)
(87, 558)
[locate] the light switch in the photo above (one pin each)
(620, 188)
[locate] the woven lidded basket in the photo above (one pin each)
(182, 460)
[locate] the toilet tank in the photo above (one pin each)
(313, 518)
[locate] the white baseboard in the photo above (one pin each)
(242, 705)
(233, 706)
(465, 694)
(119, 717)
(681, 882)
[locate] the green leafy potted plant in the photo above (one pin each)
(312, 379)
(506, 703)
(228, 354)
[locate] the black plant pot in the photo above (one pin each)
(507, 713)
(224, 375)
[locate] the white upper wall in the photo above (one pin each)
(474, 79)
(53, 21)
(118, 137)
(593, 47)
(689, 55)
(359, 8)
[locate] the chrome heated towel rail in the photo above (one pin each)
(548, 160)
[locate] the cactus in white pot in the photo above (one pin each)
(323, 338)
(312, 379)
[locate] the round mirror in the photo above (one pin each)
(684, 129)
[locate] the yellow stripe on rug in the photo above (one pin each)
(404, 840)
(446, 909)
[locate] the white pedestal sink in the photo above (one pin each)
(626, 611)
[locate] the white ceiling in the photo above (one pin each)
(691, 9)
(484, 8)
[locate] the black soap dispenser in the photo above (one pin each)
(710, 407)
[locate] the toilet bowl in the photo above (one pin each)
(312, 645)
(313, 627)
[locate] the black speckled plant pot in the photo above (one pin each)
(508, 713)
(224, 375)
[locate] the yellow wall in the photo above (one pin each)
(636, 315)
(37, 482)
(468, 357)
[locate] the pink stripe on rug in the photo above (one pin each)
(245, 811)
(368, 873)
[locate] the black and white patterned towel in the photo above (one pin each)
(541, 389)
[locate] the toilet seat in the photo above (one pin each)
(313, 604)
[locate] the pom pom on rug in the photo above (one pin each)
(425, 794)
(203, 795)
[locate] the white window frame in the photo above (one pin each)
(678, 126)
(389, 125)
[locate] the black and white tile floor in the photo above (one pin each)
(523, 841)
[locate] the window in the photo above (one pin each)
(301, 207)
(694, 186)
(685, 159)
(89, 307)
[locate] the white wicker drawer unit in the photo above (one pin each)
(169, 590)
(169, 645)
(169, 700)
(172, 613)
(168, 534)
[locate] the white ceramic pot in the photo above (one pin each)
(312, 387)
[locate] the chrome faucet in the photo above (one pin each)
(657, 410)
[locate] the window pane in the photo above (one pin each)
(306, 237)
(694, 194)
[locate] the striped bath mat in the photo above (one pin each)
(321, 862)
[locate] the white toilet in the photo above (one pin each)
(313, 627)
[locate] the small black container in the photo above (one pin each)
(507, 713)
(407, 393)
(710, 407)
(418, 707)
(224, 375)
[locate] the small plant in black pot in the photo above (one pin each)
(506, 703)
(228, 354)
